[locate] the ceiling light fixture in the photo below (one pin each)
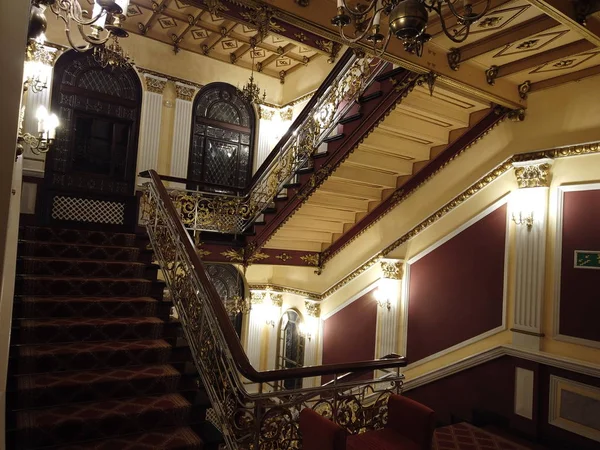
(407, 21)
(251, 90)
(112, 55)
(95, 29)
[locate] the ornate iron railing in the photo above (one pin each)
(265, 420)
(208, 211)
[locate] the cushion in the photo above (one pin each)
(319, 433)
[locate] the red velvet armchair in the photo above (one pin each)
(410, 427)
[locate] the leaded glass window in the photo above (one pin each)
(290, 352)
(222, 135)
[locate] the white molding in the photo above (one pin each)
(560, 362)
(555, 329)
(557, 385)
(463, 344)
(576, 340)
(487, 211)
(406, 286)
(352, 299)
(455, 367)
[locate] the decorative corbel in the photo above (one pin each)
(524, 89)
(454, 57)
(491, 74)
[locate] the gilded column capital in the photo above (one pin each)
(256, 298)
(533, 173)
(286, 114)
(154, 84)
(266, 114)
(185, 92)
(393, 270)
(313, 309)
(277, 299)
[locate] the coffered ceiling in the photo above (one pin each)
(226, 31)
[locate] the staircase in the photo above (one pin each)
(96, 362)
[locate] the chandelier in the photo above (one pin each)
(112, 55)
(407, 21)
(251, 91)
(95, 29)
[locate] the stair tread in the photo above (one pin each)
(165, 439)
(77, 244)
(51, 417)
(99, 279)
(86, 377)
(58, 298)
(82, 260)
(87, 347)
(92, 321)
(78, 230)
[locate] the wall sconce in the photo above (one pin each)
(38, 65)
(382, 299)
(272, 308)
(47, 125)
(520, 219)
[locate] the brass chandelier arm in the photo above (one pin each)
(468, 18)
(74, 11)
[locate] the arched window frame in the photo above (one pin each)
(197, 153)
(282, 362)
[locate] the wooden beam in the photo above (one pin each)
(564, 51)
(573, 76)
(508, 36)
(564, 12)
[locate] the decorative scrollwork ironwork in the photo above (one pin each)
(269, 419)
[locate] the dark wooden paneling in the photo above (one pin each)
(350, 334)
(456, 291)
(579, 305)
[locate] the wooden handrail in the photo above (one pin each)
(231, 339)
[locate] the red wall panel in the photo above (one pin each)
(350, 334)
(456, 291)
(579, 305)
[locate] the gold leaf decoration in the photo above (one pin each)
(234, 255)
(312, 259)
(284, 257)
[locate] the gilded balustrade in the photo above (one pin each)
(205, 211)
(267, 420)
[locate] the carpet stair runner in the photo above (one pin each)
(96, 362)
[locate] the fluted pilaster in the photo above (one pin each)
(388, 313)
(529, 206)
(182, 129)
(151, 123)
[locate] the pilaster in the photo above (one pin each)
(277, 303)
(389, 302)
(256, 324)
(151, 123)
(529, 205)
(182, 129)
(311, 345)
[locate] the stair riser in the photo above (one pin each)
(91, 360)
(76, 429)
(75, 268)
(95, 308)
(87, 333)
(53, 396)
(79, 251)
(83, 287)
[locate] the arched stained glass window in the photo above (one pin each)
(290, 352)
(221, 148)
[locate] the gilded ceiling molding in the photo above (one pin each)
(169, 77)
(185, 92)
(154, 84)
(534, 173)
(393, 270)
(285, 290)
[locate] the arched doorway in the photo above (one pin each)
(90, 170)
(228, 282)
(290, 351)
(222, 143)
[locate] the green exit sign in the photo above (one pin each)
(585, 259)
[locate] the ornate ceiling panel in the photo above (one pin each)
(226, 31)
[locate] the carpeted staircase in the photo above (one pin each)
(95, 360)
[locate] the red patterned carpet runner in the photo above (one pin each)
(96, 363)
(463, 436)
